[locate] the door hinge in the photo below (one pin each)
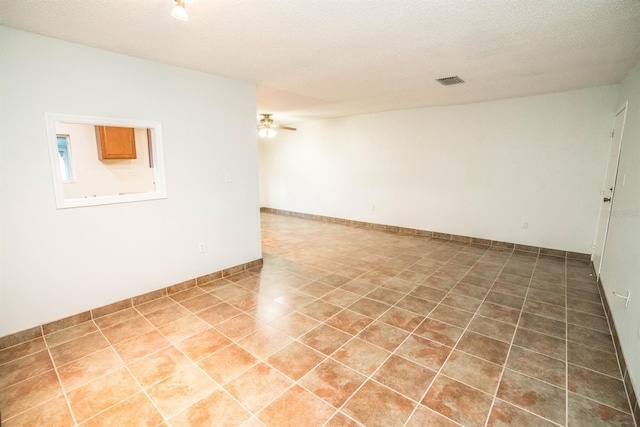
(613, 132)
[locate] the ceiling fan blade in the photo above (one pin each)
(283, 127)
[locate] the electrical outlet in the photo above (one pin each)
(227, 177)
(373, 207)
(201, 247)
(525, 224)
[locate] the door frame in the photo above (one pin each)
(598, 268)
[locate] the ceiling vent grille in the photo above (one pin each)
(447, 81)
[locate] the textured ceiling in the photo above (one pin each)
(329, 58)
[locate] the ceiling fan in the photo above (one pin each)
(267, 127)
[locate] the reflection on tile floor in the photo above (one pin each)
(342, 326)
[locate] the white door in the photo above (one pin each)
(608, 190)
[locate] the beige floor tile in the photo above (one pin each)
(294, 324)
(54, 412)
(98, 395)
(341, 420)
(20, 350)
(71, 333)
(118, 317)
(375, 405)
(24, 368)
(159, 365)
(295, 360)
(127, 330)
(518, 389)
(506, 415)
(141, 346)
(136, 410)
(200, 302)
(538, 366)
(239, 326)
(180, 390)
(383, 335)
(483, 347)
(264, 342)
(583, 412)
(492, 328)
(598, 387)
(402, 319)
(470, 370)
(77, 348)
(217, 407)
(166, 315)
(218, 313)
(225, 364)
(88, 368)
(183, 328)
(443, 333)
(429, 354)
(296, 407)
(203, 344)
(333, 382)
(361, 356)
(458, 401)
(424, 416)
(405, 377)
(258, 386)
(325, 339)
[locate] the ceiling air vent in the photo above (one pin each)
(447, 81)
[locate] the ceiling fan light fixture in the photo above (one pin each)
(179, 12)
(267, 133)
(266, 128)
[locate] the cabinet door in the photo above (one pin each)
(115, 143)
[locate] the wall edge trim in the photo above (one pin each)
(433, 234)
(44, 329)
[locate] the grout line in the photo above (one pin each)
(370, 377)
(600, 403)
(344, 415)
(506, 360)
(529, 412)
(12, 417)
(64, 392)
(126, 366)
(465, 329)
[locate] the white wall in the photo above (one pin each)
(621, 261)
(477, 170)
(56, 263)
(94, 177)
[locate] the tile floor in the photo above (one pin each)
(341, 327)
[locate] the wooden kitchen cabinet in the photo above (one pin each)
(115, 143)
